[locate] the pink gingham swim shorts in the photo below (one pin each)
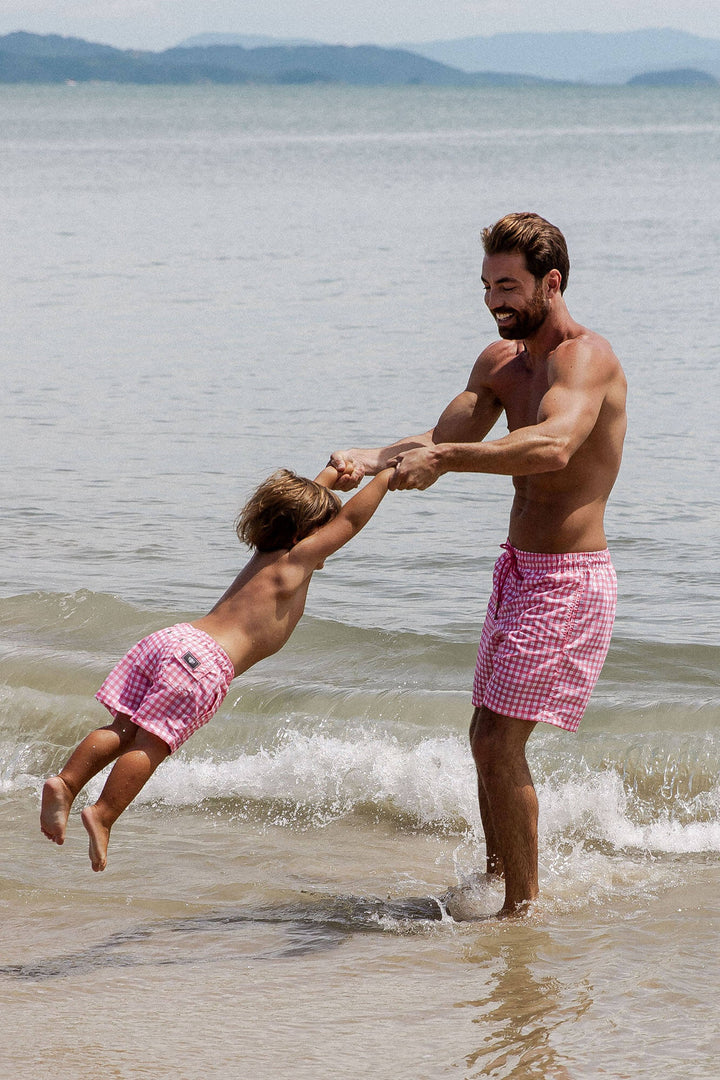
(170, 683)
(546, 635)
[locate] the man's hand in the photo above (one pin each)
(350, 472)
(416, 469)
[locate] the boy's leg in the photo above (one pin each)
(96, 751)
(129, 774)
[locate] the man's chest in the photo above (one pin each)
(520, 393)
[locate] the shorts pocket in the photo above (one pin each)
(185, 668)
(190, 673)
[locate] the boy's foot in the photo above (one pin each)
(99, 836)
(55, 808)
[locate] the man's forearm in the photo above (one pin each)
(521, 453)
(373, 460)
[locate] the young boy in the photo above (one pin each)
(172, 682)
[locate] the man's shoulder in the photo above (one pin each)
(497, 355)
(586, 345)
(501, 349)
(588, 360)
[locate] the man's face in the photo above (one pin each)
(516, 300)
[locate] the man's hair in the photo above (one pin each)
(285, 508)
(542, 244)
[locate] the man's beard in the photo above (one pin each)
(527, 322)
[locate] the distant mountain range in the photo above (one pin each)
(676, 77)
(51, 59)
(669, 57)
(580, 56)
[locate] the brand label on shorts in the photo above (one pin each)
(191, 661)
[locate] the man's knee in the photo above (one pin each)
(484, 737)
(495, 739)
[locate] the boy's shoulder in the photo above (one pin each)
(278, 572)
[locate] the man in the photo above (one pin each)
(549, 621)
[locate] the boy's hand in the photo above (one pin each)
(350, 472)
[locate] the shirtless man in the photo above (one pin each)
(549, 621)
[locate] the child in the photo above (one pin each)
(172, 682)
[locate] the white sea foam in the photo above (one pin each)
(327, 777)
(312, 780)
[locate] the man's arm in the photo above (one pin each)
(468, 418)
(353, 464)
(579, 375)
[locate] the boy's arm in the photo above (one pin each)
(342, 473)
(350, 520)
(328, 477)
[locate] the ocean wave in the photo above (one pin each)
(355, 721)
(652, 803)
(46, 637)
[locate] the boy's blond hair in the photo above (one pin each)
(284, 509)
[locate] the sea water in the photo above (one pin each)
(202, 285)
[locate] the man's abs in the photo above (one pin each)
(557, 524)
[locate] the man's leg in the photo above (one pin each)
(494, 863)
(508, 803)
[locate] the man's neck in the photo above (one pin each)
(557, 327)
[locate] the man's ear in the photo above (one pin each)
(553, 279)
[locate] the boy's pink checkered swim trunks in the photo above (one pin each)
(170, 683)
(546, 635)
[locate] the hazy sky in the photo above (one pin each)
(159, 24)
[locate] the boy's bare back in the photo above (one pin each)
(260, 610)
(262, 607)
